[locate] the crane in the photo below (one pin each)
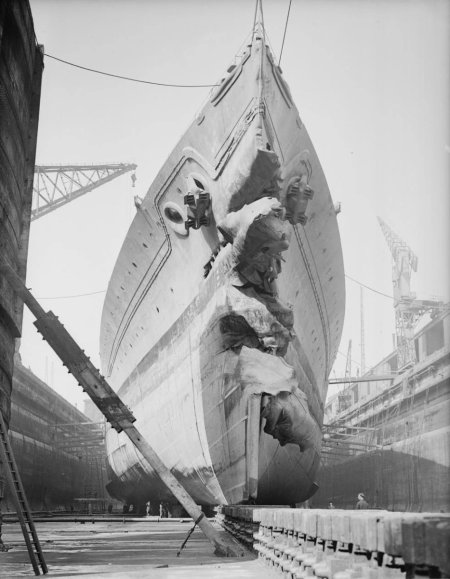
(408, 309)
(56, 185)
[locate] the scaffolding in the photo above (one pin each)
(86, 441)
(342, 441)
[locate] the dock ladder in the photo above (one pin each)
(20, 500)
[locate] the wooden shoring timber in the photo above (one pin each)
(114, 409)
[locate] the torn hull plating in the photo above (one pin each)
(220, 334)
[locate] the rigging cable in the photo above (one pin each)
(285, 29)
(369, 288)
(73, 296)
(443, 308)
(130, 78)
(345, 356)
(104, 291)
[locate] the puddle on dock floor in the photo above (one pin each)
(120, 549)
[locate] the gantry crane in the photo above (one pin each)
(408, 310)
(56, 185)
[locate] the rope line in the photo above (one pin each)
(285, 30)
(129, 78)
(369, 288)
(345, 356)
(104, 291)
(74, 296)
(443, 308)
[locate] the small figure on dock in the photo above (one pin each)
(163, 511)
(110, 508)
(147, 508)
(330, 505)
(362, 503)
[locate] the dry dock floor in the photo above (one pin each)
(132, 549)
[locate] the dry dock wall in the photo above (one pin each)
(21, 65)
(393, 478)
(341, 544)
(393, 443)
(60, 455)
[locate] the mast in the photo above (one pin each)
(363, 338)
(258, 23)
(259, 36)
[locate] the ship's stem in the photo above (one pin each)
(252, 443)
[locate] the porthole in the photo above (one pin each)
(175, 217)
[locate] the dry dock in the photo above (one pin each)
(206, 335)
(92, 547)
(281, 542)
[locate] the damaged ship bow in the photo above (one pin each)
(225, 308)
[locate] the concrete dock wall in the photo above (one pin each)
(21, 65)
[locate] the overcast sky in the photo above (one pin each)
(370, 80)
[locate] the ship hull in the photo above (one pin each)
(200, 353)
(184, 395)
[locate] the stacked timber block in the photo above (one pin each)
(240, 521)
(344, 544)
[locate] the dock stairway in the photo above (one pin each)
(18, 494)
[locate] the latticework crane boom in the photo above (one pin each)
(56, 185)
(404, 263)
(408, 310)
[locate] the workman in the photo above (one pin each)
(362, 503)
